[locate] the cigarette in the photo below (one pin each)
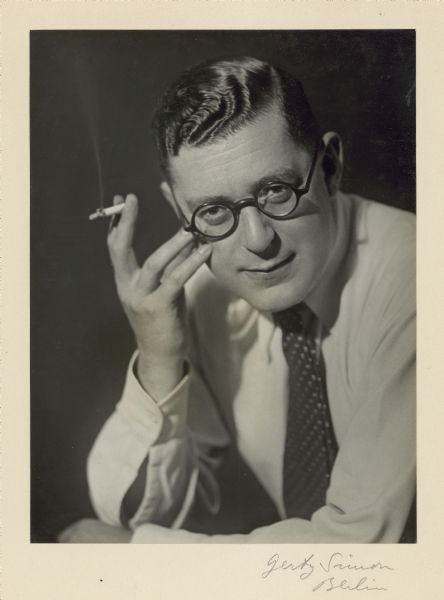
(102, 213)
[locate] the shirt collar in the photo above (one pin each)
(324, 299)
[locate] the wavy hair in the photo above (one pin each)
(215, 99)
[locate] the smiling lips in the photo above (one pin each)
(273, 267)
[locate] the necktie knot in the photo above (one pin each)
(291, 320)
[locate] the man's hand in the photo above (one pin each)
(153, 298)
(92, 531)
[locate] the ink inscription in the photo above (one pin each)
(338, 571)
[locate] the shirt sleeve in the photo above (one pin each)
(181, 461)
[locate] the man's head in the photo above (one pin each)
(223, 131)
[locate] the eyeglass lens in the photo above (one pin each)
(275, 200)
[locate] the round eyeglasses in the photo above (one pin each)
(276, 199)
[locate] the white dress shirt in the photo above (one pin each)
(237, 389)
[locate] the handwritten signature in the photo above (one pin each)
(310, 566)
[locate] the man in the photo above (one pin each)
(296, 343)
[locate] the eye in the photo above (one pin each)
(214, 214)
(275, 193)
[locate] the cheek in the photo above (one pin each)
(308, 237)
(221, 260)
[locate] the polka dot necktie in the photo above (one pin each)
(310, 444)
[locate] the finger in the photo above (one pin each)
(175, 281)
(120, 240)
(115, 219)
(125, 231)
(155, 264)
(177, 260)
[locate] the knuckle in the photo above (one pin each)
(175, 277)
(149, 272)
(152, 265)
(172, 283)
(150, 310)
(116, 252)
(139, 306)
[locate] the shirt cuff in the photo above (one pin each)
(168, 415)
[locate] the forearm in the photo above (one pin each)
(328, 525)
(158, 433)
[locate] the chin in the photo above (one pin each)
(274, 299)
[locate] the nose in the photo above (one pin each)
(256, 230)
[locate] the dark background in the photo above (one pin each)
(92, 97)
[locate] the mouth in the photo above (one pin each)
(271, 274)
(272, 267)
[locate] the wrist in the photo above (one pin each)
(158, 376)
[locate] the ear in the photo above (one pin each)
(332, 162)
(169, 197)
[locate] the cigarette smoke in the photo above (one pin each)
(88, 93)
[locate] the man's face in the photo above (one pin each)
(271, 264)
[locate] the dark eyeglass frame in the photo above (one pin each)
(236, 207)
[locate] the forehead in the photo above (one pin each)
(230, 167)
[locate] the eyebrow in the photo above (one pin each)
(286, 175)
